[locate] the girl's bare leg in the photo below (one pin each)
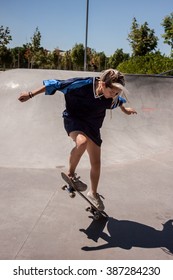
(76, 153)
(82, 143)
(94, 152)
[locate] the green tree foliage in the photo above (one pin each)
(36, 40)
(5, 36)
(57, 58)
(153, 63)
(142, 39)
(19, 59)
(97, 61)
(5, 58)
(33, 50)
(36, 50)
(118, 57)
(67, 61)
(167, 23)
(5, 54)
(28, 54)
(77, 56)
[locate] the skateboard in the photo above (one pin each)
(71, 188)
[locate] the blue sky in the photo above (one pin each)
(62, 22)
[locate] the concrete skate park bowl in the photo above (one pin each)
(39, 220)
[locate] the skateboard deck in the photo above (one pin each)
(71, 188)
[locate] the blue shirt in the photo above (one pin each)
(81, 100)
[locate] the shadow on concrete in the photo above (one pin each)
(127, 234)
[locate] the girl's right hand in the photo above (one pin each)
(24, 96)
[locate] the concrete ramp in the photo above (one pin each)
(150, 132)
(39, 220)
(32, 133)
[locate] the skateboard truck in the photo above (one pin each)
(96, 214)
(70, 190)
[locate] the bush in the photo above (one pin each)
(148, 64)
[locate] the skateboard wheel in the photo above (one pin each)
(64, 187)
(88, 208)
(96, 217)
(72, 194)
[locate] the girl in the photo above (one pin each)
(86, 102)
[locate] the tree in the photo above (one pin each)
(77, 56)
(167, 23)
(19, 61)
(28, 53)
(33, 49)
(142, 38)
(152, 63)
(66, 61)
(5, 36)
(56, 56)
(98, 61)
(35, 40)
(118, 57)
(6, 58)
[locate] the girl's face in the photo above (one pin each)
(109, 92)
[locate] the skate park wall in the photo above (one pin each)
(32, 133)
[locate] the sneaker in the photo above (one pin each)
(80, 186)
(98, 203)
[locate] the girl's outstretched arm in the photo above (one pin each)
(24, 96)
(128, 111)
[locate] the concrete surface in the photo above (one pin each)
(39, 221)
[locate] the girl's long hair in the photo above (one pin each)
(114, 78)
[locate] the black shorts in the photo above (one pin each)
(74, 124)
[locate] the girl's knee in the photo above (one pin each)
(81, 142)
(79, 138)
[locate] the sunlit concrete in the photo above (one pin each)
(39, 221)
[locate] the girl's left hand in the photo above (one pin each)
(130, 111)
